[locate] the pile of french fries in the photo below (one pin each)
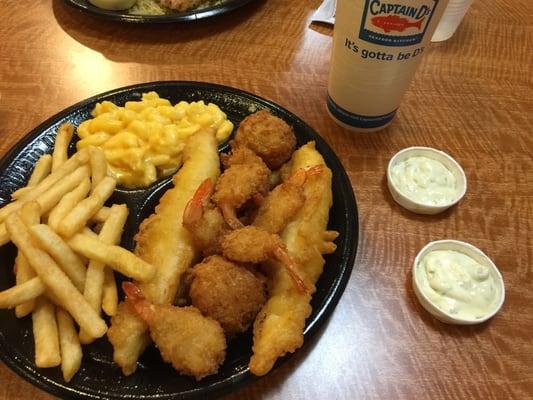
(68, 246)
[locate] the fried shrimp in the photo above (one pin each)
(195, 345)
(228, 293)
(205, 221)
(267, 136)
(254, 245)
(246, 176)
(283, 202)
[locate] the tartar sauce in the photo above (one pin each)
(425, 180)
(457, 284)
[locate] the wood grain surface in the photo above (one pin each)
(471, 97)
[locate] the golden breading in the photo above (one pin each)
(245, 175)
(228, 293)
(281, 204)
(193, 343)
(163, 242)
(128, 336)
(279, 326)
(255, 245)
(267, 136)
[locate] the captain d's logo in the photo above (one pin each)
(396, 23)
(392, 23)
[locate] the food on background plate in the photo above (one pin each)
(183, 5)
(164, 242)
(113, 4)
(144, 140)
(153, 7)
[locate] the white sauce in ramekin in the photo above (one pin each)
(458, 285)
(425, 181)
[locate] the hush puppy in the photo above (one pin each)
(228, 293)
(267, 136)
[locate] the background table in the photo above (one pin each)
(471, 97)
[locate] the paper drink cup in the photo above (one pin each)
(377, 46)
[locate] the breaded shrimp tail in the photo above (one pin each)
(165, 243)
(279, 326)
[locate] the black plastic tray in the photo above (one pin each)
(99, 377)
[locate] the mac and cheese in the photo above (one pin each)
(143, 140)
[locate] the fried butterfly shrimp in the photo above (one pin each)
(228, 293)
(254, 245)
(195, 345)
(205, 221)
(267, 136)
(246, 176)
(283, 202)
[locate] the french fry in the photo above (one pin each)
(90, 233)
(49, 198)
(17, 194)
(116, 257)
(29, 213)
(76, 219)
(55, 279)
(110, 234)
(73, 163)
(71, 353)
(67, 260)
(45, 335)
(98, 166)
(67, 203)
(24, 272)
(21, 293)
(101, 215)
(63, 138)
(110, 294)
(42, 169)
(52, 196)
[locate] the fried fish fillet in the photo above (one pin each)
(279, 326)
(163, 242)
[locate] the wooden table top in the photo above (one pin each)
(471, 97)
